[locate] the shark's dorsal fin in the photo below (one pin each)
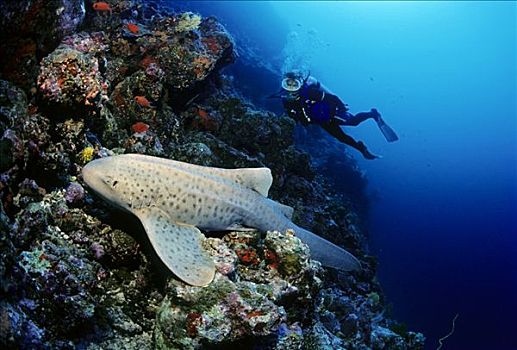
(178, 246)
(257, 179)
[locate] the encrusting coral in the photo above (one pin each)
(187, 22)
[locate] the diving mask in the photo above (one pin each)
(291, 84)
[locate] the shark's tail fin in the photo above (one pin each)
(328, 253)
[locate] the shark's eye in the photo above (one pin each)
(109, 181)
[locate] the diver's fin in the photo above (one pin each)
(388, 132)
(326, 252)
(178, 245)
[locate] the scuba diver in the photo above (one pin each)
(309, 102)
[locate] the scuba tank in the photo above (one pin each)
(317, 111)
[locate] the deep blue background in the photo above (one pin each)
(443, 74)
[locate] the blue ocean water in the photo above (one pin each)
(443, 74)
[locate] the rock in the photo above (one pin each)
(69, 78)
(29, 224)
(221, 313)
(383, 338)
(74, 194)
(248, 303)
(258, 131)
(29, 192)
(128, 111)
(197, 48)
(142, 341)
(195, 152)
(17, 330)
(13, 105)
(122, 249)
(31, 29)
(63, 282)
(11, 150)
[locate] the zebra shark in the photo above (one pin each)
(174, 200)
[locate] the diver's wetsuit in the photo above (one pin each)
(313, 104)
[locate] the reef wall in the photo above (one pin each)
(129, 76)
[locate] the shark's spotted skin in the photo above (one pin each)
(178, 245)
(173, 199)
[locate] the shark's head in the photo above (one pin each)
(103, 177)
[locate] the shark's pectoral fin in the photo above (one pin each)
(178, 245)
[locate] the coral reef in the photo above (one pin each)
(69, 78)
(187, 22)
(77, 274)
(32, 29)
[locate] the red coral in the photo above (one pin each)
(272, 259)
(140, 127)
(202, 120)
(248, 256)
(33, 109)
(202, 113)
(118, 99)
(146, 61)
(212, 44)
(202, 65)
(255, 313)
(209, 123)
(194, 320)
